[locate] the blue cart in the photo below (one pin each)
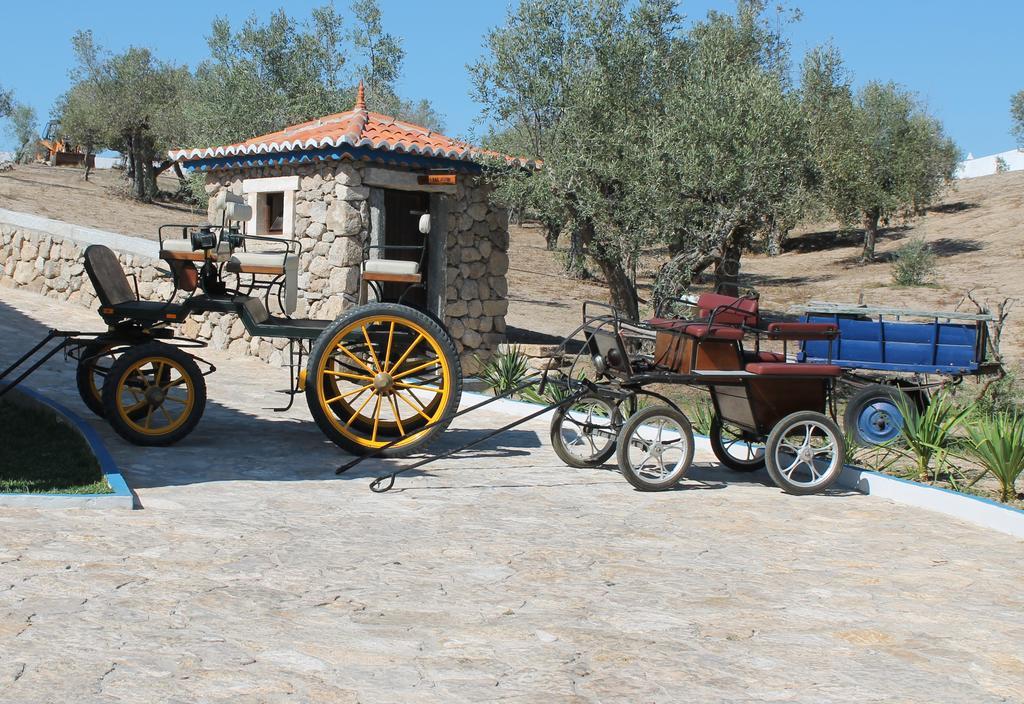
(895, 357)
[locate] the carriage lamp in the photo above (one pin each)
(203, 238)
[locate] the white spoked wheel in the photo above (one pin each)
(655, 448)
(804, 453)
(733, 448)
(583, 434)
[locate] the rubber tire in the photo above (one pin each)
(83, 376)
(779, 432)
(638, 419)
(727, 460)
(369, 310)
(559, 446)
(864, 398)
(130, 357)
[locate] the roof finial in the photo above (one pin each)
(360, 97)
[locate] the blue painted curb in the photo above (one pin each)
(121, 496)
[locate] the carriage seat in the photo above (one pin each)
(784, 369)
(258, 262)
(180, 250)
(755, 356)
(395, 267)
(116, 296)
(273, 264)
(738, 311)
(699, 330)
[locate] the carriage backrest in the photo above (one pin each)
(740, 311)
(107, 275)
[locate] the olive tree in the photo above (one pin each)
(262, 76)
(731, 152)
(131, 102)
(1017, 115)
(576, 80)
(878, 153)
(6, 102)
(24, 130)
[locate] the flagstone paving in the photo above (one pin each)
(253, 574)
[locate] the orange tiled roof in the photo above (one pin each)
(356, 128)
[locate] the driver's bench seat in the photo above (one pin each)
(118, 301)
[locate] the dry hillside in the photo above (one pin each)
(977, 231)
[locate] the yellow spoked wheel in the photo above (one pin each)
(154, 394)
(382, 373)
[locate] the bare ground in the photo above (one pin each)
(977, 231)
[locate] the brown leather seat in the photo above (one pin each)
(783, 369)
(700, 330)
(754, 356)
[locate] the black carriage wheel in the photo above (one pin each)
(805, 453)
(655, 448)
(874, 414)
(94, 363)
(154, 394)
(583, 434)
(732, 449)
(394, 371)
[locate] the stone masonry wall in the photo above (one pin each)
(332, 223)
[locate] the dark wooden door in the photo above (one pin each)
(402, 210)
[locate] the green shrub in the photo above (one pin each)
(505, 371)
(701, 415)
(997, 444)
(914, 264)
(1004, 395)
(930, 434)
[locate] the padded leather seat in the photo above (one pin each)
(716, 332)
(783, 369)
(257, 262)
(180, 250)
(754, 356)
(739, 311)
(399, 267)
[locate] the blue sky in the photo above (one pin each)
(962, 58)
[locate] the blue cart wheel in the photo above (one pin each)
(873, 415)
(880, 422)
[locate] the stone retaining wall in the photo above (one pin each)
(51, 264)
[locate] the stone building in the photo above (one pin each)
(344, 182)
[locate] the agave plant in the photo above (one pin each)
(701, 415)
(997, 443)
(930, 434)
(505, 371)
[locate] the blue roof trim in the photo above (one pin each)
(342, 151)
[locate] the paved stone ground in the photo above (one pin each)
(254, 575)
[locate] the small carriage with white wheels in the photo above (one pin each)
(768, 412)
(381, 375)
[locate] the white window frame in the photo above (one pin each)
(255, 187)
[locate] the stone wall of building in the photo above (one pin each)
(477, 289)
(333, 225)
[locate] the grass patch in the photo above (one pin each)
(41, 455)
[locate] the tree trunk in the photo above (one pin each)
(551, 232)
(85, 164)
(870, 224)
(621, 290)
(727, 267)
(576, 260)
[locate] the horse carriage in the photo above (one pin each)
(382, 376)
(768, 412)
